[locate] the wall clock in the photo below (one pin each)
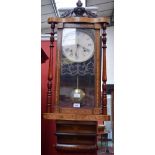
(78, 103)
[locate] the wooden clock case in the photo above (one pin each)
(76, 128)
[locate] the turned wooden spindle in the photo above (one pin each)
(50, 71)
(104, 71)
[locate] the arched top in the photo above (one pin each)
(78, 20)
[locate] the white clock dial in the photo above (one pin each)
(77, 46)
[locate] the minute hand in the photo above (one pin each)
(84, 48)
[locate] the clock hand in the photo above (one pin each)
(71, 52)
(84, 48)
(76, 53)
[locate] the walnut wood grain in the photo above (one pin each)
(97, 69)
(89, 123)
(61, 116)
(76, 148)
(75, 111)
(98, 110)
(79, 110)
(80, 134)
(79, 20)
(76, 129)
(79, 140)
(58, 68)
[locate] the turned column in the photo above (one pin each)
(104, 70)
(50, 71)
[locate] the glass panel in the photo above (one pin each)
(77, 79)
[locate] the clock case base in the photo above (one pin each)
(76, 136)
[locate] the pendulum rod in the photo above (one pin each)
(77, 82)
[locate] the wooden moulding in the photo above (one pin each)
(75, 117)
(72, 147)
(76, 25)
(75, 111)
(97, 57)
(79, 20)
(80, 111)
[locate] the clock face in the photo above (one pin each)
(77, 46)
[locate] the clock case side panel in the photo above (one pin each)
(97, 108)
(58, 65)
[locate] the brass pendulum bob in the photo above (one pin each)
(77, 94)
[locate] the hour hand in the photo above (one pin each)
(85, 49)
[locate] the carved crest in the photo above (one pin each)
(78, 11)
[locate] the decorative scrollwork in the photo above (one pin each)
(90, 14)
(78, 11)
(82, 69)
(68, 13)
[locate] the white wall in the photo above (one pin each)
(110, 55)
(110, 73)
